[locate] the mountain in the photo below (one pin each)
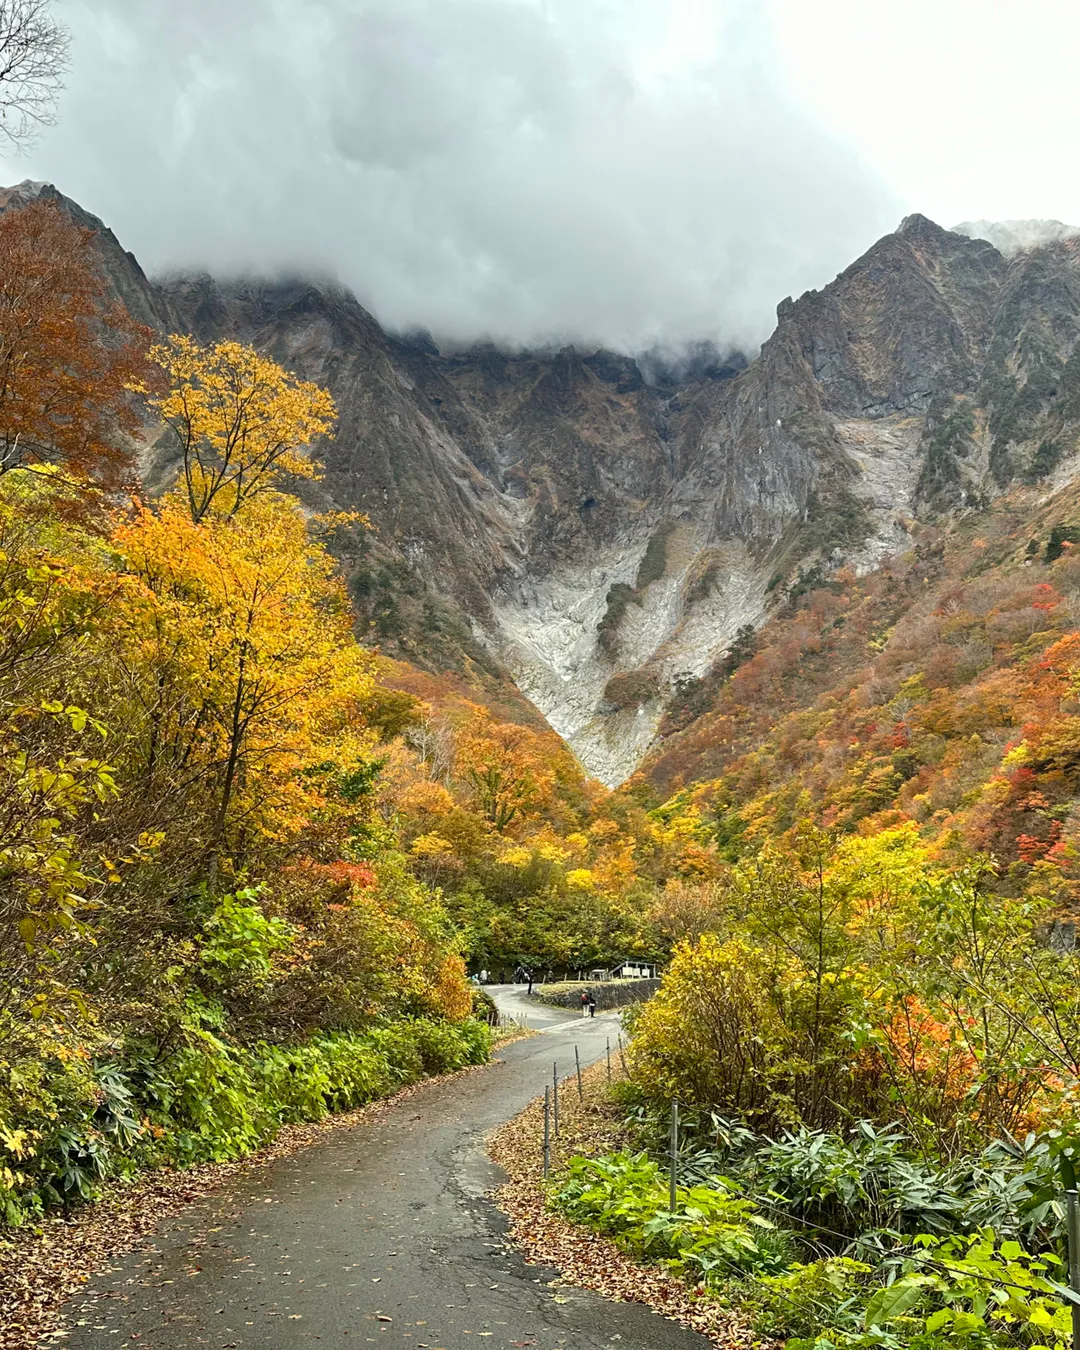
(605, 531)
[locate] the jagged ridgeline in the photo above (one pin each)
(603, 531)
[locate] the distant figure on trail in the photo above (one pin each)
(585, 1003)
(592, 1003)
(528, 976)
(483, 977)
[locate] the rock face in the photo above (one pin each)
(128, 281)
(602, 527)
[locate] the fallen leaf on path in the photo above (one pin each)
(591, 1127)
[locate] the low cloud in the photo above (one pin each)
(627, 172)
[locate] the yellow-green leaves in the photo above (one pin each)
(45, 880)
(242, 421)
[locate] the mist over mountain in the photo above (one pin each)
(604, 532)
(529, 171)
(1013, 236)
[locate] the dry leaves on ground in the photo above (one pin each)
(590, 1127)
(503, 1036)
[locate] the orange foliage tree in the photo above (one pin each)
(506, 764)
(67, 358)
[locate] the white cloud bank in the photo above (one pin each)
(617, 171)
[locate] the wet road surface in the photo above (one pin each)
(376, 1235)
(513, 1000)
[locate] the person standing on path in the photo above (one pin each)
(592, 1003)
(528, 976)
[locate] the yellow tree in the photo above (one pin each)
(508, 766)
(249, 685)
(242, 421)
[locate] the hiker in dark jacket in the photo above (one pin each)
(592, 1004)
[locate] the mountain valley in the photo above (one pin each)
(601, 531)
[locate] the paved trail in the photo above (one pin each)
(512, 999)
(386, 1221)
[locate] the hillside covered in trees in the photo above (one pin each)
(316, 642)
(207, 928)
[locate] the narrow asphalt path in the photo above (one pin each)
(376, 1235)
(515, 1002)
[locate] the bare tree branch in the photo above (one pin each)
(34, 57)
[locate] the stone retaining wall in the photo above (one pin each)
(608, 993)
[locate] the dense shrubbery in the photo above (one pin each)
(67, 1127)
(739, 1237)
(859, 980)
(858, 1190)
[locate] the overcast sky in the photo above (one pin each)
(618, 171)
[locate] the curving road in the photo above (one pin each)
(513, 1000)
(376, 1235)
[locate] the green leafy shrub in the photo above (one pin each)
(239, 940)
(443, 1046)
(921, 1292)
(831, 1292)
(962, 1291)
(869, 1181)
(77, 1125)
(861, 1189)
(712, 1233)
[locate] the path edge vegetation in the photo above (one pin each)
(583, 1259)
(41, 1267)
(741, 1262)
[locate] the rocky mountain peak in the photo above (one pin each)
(602, 528)
(29, 190)
(918, 226)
